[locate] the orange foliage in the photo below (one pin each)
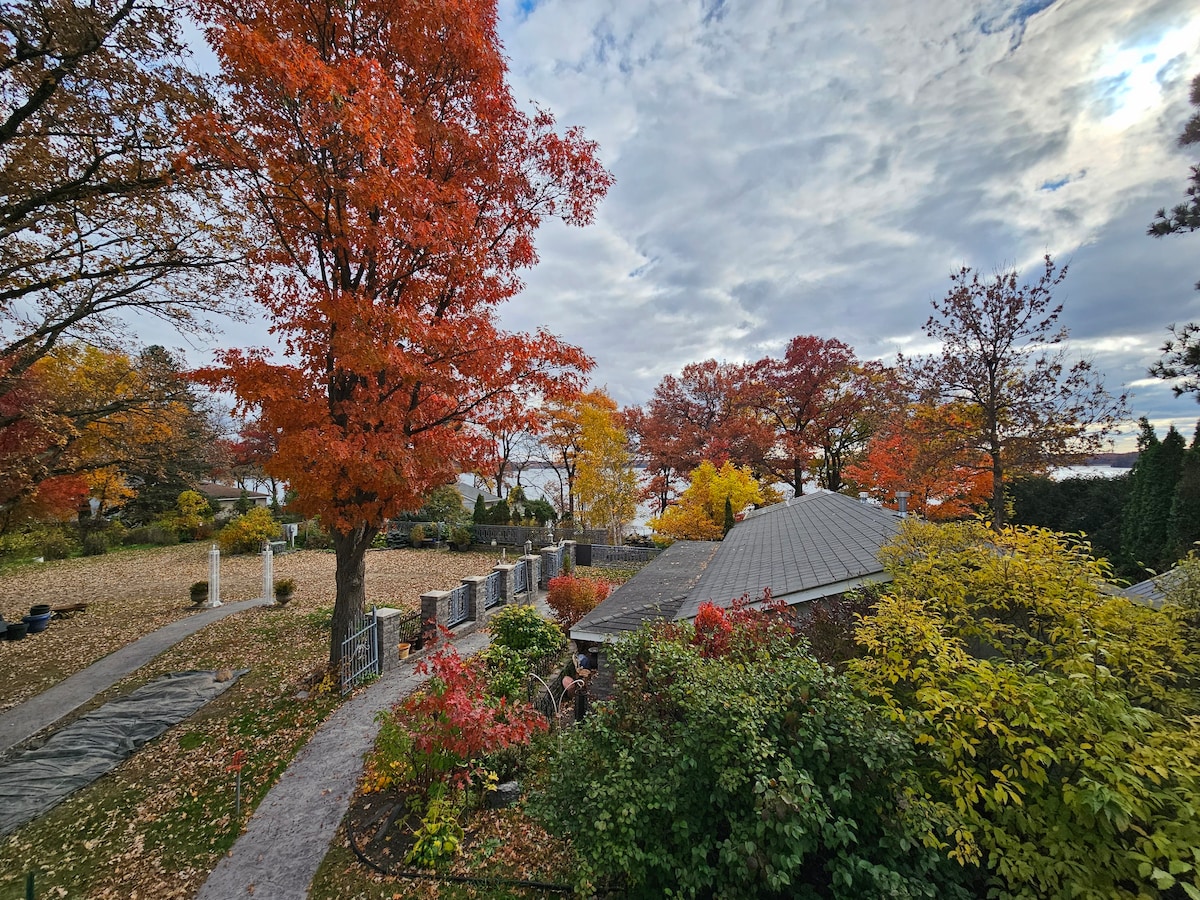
(910, 456)
(399, 189)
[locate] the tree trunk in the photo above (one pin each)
(350, 579)
(997, 491)
(797, 477)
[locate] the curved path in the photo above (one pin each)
(26, 719)
(289, 834)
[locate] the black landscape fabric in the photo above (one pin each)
(37, 780)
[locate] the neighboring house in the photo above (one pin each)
(813, 546)
(470, 493)
(225, 497)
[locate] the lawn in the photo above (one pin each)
(155, 826)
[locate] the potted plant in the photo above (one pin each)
(198, 592)
(284, 588)
(417, 536)
(460, 538)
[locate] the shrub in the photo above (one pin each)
(1051, 723)
(246, 534)
(18, 545)
(314, 537)
(198, 592)
(572, 597)
(520, 627)
(94, 543)
(753, 774)
(460, 537)
(434, 741)
(417, 536)
(55, 543)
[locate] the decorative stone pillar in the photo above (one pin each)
(435, 611)
(507, 581)
(475, 597)
(387, 638)
(569, 552)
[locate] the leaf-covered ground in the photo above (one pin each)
(132, 593)
(156, 826)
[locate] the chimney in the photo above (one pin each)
(862, 496)
(902, 502)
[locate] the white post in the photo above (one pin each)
(268, 573)
(214, 577)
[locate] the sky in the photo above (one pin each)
(790, 167)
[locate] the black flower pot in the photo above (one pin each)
(15, 631)
(39, 609)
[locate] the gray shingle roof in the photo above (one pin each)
(653, 593)
(812, 546)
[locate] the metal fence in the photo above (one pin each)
(359, 656)
(492, 590)
(615, 557)
(521, 579)
(460, 609)
(408, 631)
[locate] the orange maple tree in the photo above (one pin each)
(397, 187)
(912, 453)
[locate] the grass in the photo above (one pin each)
(156, 826)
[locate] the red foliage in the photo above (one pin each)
(571, 598)
(456, 721)
(744, 628)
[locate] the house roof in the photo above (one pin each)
(228, 492)
(470, 493)
(812, 546)
(816, 545)
(1152, 591)
(654, 593)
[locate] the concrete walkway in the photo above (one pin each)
(26, 719)
(289, 834)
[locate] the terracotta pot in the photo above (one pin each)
(403, 650)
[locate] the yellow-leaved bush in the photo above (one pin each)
(1055, 719)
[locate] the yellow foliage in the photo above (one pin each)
(700, 513)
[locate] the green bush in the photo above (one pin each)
(94, 543)
(520, 627)
(246, 533)
(56, 543)
(1050, 717)
(417, 535)
(314, 537)
(19, 545)
(752, 774)
(460, 537)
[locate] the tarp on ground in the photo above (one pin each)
(37, 780)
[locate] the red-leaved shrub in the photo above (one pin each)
(571, 598)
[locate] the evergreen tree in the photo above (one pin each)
(1183, 528)
(1144, 532)
(730, 521)
(499, 514)
(480, 514)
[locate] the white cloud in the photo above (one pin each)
(815, 167)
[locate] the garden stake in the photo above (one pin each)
(29, 886)
(239, 760)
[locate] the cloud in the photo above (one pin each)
(820, 167)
